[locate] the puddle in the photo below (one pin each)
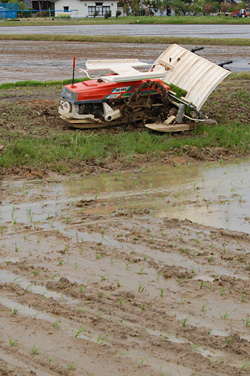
(216, 195)
(26, 311)
(220, 333)
(150, 179)
(223, 198)
(8, 277)
(204, 278)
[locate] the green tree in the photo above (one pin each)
(135, 7)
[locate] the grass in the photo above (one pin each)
(128, 39)
(178, 20)
(29, 83)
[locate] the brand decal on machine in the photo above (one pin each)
(121, 89)
(112, 96)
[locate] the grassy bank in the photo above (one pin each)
(32, 134)
(30, 84)
(178, 20)
(128, 39)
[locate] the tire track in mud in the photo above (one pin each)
(153, 295)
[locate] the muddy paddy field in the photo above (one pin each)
(136, 263)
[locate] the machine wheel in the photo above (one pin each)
(149, 102)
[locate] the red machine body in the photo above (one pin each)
(99, 90)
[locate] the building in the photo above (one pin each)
(38, 4)
(85, 8)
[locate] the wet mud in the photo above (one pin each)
(111, 275)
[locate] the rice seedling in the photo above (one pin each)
(2, 228)
(141, 270)
(34, 350)
(140, 287)
(36, 272)
(223, 289)
(127, 265)
(161, 292)
(194, 347)
(71, 367)
(185, 321)
(210, 259)
(225, 316)
(245, 366)
(81, 309)
(14, 311)
(12, 342)
(180, 280)
(36, 315)
(102, 338)
(79, 331)
(204, 307)
(143, 306)
(139, 363)
(151, 240)
(122, 301)
(56, 324)
(12, 214)
(242, 299)
(247, 322)
(158, 276)
(100, 295)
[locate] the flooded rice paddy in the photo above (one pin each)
(200, 31)
(44, 61)
(137, 272)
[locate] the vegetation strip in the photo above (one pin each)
(156, 20)
(128, 39)
(17, 84)
(12, 85)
